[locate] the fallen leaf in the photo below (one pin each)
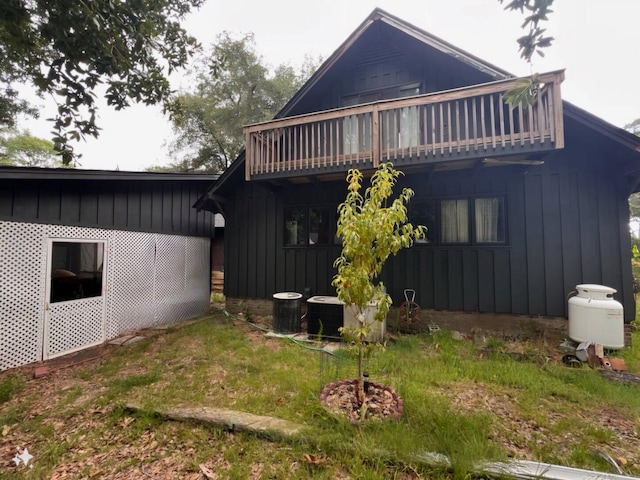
(314, 459)
(207, 472)
(5, 430)
(126, 421)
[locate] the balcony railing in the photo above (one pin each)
(456, 124)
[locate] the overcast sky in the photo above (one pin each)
(596, 41)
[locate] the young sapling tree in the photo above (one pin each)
(371, 227)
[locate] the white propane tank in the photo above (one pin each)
(594, 316)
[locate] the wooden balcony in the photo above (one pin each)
(442, 128)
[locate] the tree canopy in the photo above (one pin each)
(74, 50)
(22, 149)
(232, 88)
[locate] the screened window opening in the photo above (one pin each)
(425, 214)
(76, 270)
(295, 227)
(308, 226)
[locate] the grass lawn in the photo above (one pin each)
(471, 402)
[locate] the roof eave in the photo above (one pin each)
(37, 173)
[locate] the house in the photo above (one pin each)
(87, 255)
(521, 204)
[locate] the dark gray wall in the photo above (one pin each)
(149, 206)
(566, 225)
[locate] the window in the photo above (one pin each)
(424, 213)
(399, 128)
(489, 220)
(76, 270)
(295, 227)
(454, 221)
(480, 220)
(307, 226)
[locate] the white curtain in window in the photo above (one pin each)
(487, 211)
(454, 221)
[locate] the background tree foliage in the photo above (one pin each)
(21, 149)
(232, 88)
(73, 50)
(634, 198)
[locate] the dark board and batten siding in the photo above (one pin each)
(147, 206)
(564, 228)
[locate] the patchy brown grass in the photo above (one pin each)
(74, 423)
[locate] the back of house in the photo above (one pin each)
(522, 203)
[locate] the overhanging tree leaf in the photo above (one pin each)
(532, 43)
(67, 49)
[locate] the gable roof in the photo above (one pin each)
(379, 15)
(212, 199)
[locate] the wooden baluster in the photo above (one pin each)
(493, 122)
(441, 129)
(261, 144)
(501, 106)
(521, 119)
(375, 136)
(466, 123)
(483, 122)
(541, 129)
(449, 139)
(532, 124)
(458, 124)
(425, 130)
(289, 143)
(332, 155)
(475, 122)
(357, 137)
(389, 139)
(512, 133)
(433, 127)
(276, 152)
(313, 145)
(324, 146)
(295, 140)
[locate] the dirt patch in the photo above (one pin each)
(377, 402)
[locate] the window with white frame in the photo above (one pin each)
(76, 270)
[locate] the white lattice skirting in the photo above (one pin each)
(151, 279)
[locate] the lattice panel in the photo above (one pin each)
(22, 273)
(150, 279)
(74, 325)
(170, 278)
(130, 297)
(198, 273)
